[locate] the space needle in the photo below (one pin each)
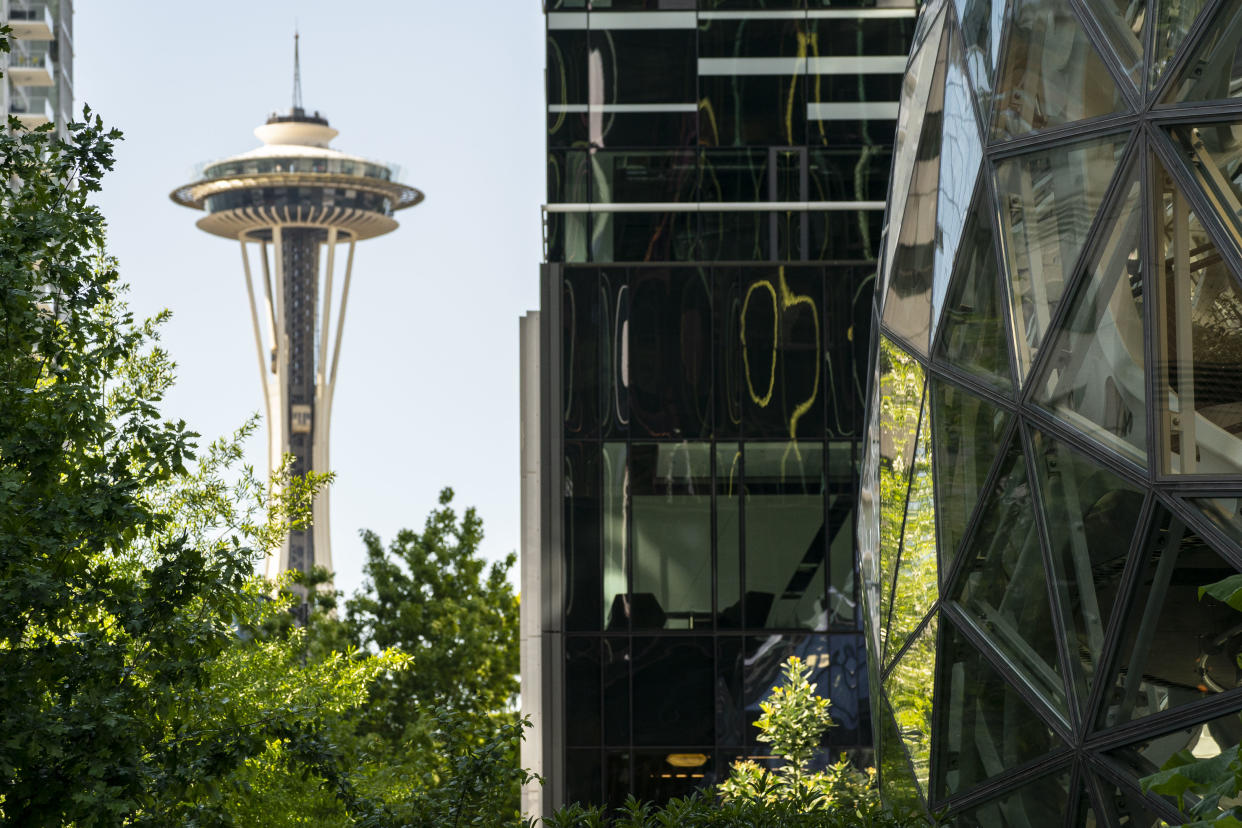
(301, 206)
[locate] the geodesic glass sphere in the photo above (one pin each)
(1054, 462)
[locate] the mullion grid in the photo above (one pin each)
(1134, 153)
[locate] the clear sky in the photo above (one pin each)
(427, 393)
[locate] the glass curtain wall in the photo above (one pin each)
(1053, 468)
(712, 361)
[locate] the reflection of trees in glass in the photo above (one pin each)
(901, 399)
(909, 689)
(917, 574)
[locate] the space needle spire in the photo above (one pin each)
(298, 203)
(297, 75)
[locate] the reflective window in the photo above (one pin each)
(729, 538)
(1176, 648)
(582, 691)
(1200, 343)
(909, 687)
(641, 66)
(1094, 379)
(1173, 21)
(581, 353)
(616, 660)
(988, 728)
(781, 337)
(1203, 740)
(1003, 583)
(673, 688)
(1042, 802)
(764, 659)
(785, 535)
(669, 349)
(1091, 516)
(670, 486)
(1213, 71)
(1053, 197)
(581, 539)
(1030, 97)
(616, 537)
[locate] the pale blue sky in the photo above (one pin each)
(427, 394)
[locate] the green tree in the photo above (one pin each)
(431, 596)
(127, 695)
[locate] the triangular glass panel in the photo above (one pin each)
(1051, 201)
(1173, 21)
(1052, 74)
(897, 784)
(1204, 740)
(1213, 71)
(1042, 802)
(967, 442)
(1225, 512)
(1200, 342)
(1212, 154)
(916, 86)
(1123, 23)
(983, 725)
(960, 154)
(917, 585)
(1093, 379)
(900, 404)
(907, 304)
(1091, 515)
(908, 688)
(869, 516)
(975, 338)
(1176, 648)
(981, 22)
(1128, 808)
(1002, 583)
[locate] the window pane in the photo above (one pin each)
(671, 502)
(1053, 198)
(616, 535)
(1201, 344)
(673, 691)
(616, 681)
(1091, 517)
(987, 727)
(1176, 648)
(670, 352)
(581, 354)
(1003, 583)
(582, 691)
(1042, 802)
(581, 540)
(782, 353)
(785, 538)
(1094, 379)
(728, 537)
(1031, 96)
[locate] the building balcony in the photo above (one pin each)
(35, 113)
(31, 68)
(32, 22)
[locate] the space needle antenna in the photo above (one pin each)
(297, 75)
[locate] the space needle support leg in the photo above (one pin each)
(271, 311)
(340, 320)
(322, 363)
(254, 321)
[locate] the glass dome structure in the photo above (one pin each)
(1054, 457)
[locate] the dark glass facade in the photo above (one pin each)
(704, 363)
(1053, 470)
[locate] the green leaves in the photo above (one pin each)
(1228, 591)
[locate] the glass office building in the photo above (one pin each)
(716, 177)
(1054, 451)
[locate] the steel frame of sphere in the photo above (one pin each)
(1054, 467)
